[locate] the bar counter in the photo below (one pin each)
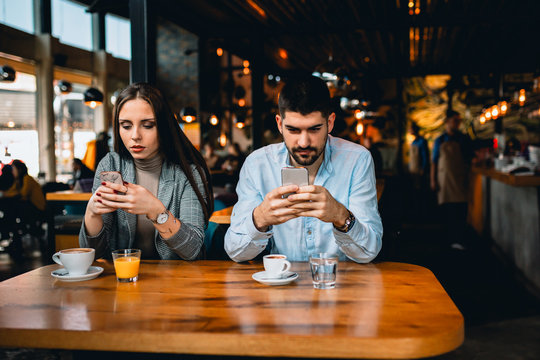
(506, 209)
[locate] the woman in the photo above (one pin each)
(27, 189)
(166, 199)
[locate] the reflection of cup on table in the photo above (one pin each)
(76, 261)
(126, 264)
(323, 270)
(276, 265)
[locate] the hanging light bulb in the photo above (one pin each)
(214, 120)
(359, 128)
(482, 119)
(188, 114)
(495, 112)
(359, 114)
(504, 107)
(219, 51)
(222, 140)
(241, 102)
(522, 97)
(93, 97)
(488, 114)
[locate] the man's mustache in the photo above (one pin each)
(304, 149)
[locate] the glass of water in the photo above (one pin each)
(323, 270)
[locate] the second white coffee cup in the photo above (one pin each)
(76, 261)
(276, 265)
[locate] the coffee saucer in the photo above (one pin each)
(263, 278)
(92, 273)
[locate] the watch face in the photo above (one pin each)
(162, 218)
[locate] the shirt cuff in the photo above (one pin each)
(255, 234)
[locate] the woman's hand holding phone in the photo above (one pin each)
(115, 194)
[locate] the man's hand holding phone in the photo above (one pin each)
(276, 206)
(275, 209)
(315, 201)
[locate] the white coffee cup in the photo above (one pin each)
(276, 265)
(76, 260)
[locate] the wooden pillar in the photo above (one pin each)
(99, 77)
(402, 124)
(257, 92)
(143, 41)
(44, 88)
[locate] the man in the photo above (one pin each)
(452, 154)
(336, 213)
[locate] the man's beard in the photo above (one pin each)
(305, 160)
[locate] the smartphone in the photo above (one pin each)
(112, 176)
(294, 175)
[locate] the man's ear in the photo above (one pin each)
(279, 122)
(331, 120)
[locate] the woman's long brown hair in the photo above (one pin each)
(173, 143)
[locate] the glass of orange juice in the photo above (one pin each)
(126, 264)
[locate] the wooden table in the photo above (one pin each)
(386, 310)
(222, 216)
(68, 196)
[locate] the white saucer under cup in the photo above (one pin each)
(63, 275)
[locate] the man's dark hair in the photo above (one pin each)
(305, 95)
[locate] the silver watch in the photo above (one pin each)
(349, 223)
(161, 218)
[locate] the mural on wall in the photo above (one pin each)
(427, 102)
(177, 65)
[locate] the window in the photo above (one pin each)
(72, 24)
(118, 36)
(18, 133)
(74, 127)
(18, 14)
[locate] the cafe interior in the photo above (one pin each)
(390, 66)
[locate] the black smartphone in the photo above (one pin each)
(113, 177)
(294, 176)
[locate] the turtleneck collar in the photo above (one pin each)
(149, 165)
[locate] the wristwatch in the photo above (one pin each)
(349, 223)
(161, 218)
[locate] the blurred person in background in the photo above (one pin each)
(96, 150)
(26, 202)
(27, 189)
(451, 159)
(419, 169)
(210, 156)
(81, 174)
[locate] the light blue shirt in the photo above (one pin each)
(347, 172)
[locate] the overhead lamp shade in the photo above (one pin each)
(64, 87)
(188, 114)
(93, 97)
(7, 73)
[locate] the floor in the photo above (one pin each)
(502, 317)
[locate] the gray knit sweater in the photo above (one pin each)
(175, 192)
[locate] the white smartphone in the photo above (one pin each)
(112, 176)
(294, 176)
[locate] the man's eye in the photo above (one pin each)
(294, 131)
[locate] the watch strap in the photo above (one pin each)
(349, 223)
(165, 211)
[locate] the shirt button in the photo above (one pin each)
(309, 232)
